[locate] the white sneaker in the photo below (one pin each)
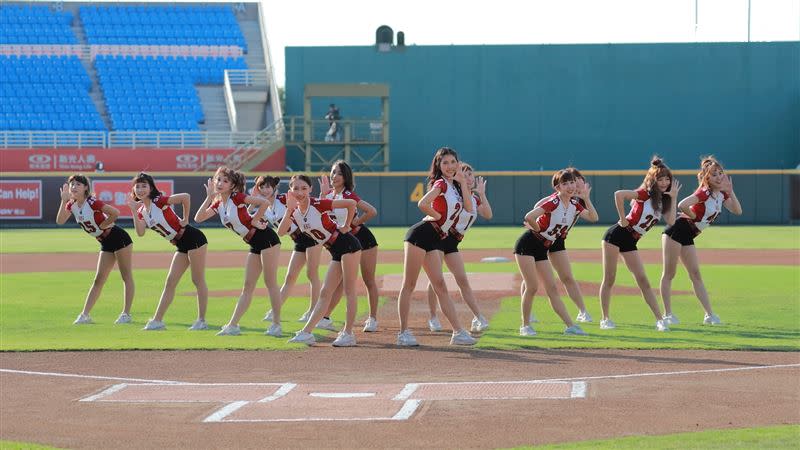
(154, 325)
(661, 325)
(583, 317)
(527, 330)
(301, 337)
(305, 316)
(608, 324)
(434, 324)
(462, 337)
(532, 318)
(711, 319)
(406, 339)
(83, 319)
(198, 325)
(479, 324)
(326, 324)
(371, 325)
(268, 317)
(671, 319)
(345, 339)
(274, 330)
(123, 318)
(575, 330)
(230, 330)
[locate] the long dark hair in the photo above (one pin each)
(436, 169)
(270, 180)
(82, 179)
(657, 170)
(145, 178)
(347, 173)
(302, 177)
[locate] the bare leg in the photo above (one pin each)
(634, 263)
(350, 263)
(105, 262)
(369, 262)
(560, 262)
(456, 265)
(125, 264)
(197, 261)
(412, 263)
(332, 279)
(689, 258)
(269, 263)
(335, 299)
(433, 268)
(530, 282)
(543, 269)
(180, 262)
(296, 262)
(253, 269)
(610, 256)
(432, 300)
(313, 255)
(670, 251)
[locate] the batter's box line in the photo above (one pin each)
(99, 397)
(230, 408)
(578, 388)
(406, 411)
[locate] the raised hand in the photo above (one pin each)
(64, 193)
(480, 185)
(324, 185)
(210, 188)
(727, 184)
(133, 204)
(674, 188)
(291, 201)
(584, 193)
(460, 178)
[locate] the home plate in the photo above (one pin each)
(495, 259)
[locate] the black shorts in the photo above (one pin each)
(425, 236)
(529, 244)
(682, 231)
(621, 237)
(366, 238)
(345, 243)
(558, 245)
(302, 241)
(115, 240)
(263, 239)
(449, 244)
(192, 239)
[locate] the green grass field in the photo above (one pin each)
(759, 305)
(70, 239)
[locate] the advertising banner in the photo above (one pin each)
(20, 199)
(115, 193)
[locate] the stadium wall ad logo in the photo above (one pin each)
(115, 193)
(20, 199)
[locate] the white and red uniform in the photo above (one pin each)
(466, 218)
(708, 208)
(564, 231)
(642, 216)
(161, 218)
(233, 214)
(317, 221)
(340, 214)
(558, 216)
(89, 216)
(275, 213)
(448, 204)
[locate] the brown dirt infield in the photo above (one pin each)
(62, 262)
(46, 409)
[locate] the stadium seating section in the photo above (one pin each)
(148, 59)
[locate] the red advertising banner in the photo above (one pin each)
(20, 199)
(123, 160)
(115, 193)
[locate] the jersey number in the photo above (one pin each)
(713, 217)
(457, 208)
(88, 227)
(469, 222)
(556, 230)
(317, 234)
(160, 230)
(649, 222)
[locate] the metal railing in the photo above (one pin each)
(53, 139)
(178, 139)
(363, 131)
(247, 77)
